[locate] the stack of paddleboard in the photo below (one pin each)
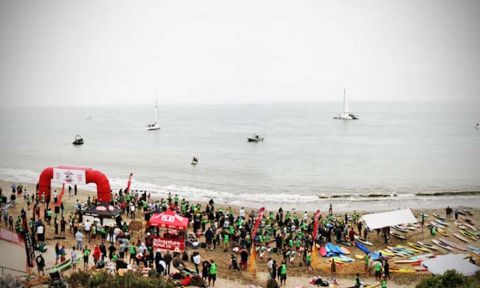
(467, 230)
(448, 245)
(336, 252)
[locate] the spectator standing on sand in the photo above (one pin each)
(377, 268)
(40, 263)
(168, 260)
(74, 258)
(40, 232)
(386, 270)
(79, 239)
(86, 253)
(212, 277)
(205, 270)
(358, 282)
(283, 274)
(196, 261)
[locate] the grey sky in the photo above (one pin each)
(84, 52)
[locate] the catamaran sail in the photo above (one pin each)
(155, 125)
(346, 115)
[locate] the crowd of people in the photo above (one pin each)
(283, 236)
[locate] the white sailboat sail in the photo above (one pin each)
(155, 125)
(346, 114)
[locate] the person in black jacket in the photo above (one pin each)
(40, 264)
(168, 259)
(158, 257)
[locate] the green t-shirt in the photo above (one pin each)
(378, 267)
(213, 269)
(283, 269)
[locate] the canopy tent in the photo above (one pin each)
(441, 264)
(103, 210)
(169, 219)
(386, 219)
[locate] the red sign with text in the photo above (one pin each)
(177, 245)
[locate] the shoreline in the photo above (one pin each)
(344, 202)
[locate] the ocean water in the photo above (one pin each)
(395, 156)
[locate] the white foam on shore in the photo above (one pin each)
(304, 202)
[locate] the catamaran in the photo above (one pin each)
(346, 115)
(155, 125)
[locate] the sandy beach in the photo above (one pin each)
(298, 276)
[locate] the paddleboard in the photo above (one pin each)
(323, 251)
(438, 216)
(396, 235)
(460, 237)
(363, 241)
(345, 251)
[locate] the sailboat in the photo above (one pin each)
(155, 125)
(346, 115)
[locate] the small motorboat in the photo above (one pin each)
(255, 138)
(194, 161)
(78, 140)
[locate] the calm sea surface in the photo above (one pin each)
(396, 150)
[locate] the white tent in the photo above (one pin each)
(441, 264)
(391, 218)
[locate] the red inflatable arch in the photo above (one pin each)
(91, 176)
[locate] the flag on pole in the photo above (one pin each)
(257, 222)
(315, 259)
(253, 252)
(129, 183)
(315, 224)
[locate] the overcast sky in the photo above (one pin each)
(101, 52)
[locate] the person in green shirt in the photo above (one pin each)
(308, 261)
(86, 253)
(283, 274)
(377, 267)
(226, 241)
(212, 273)
(383, 283)
(133, 252)
(366, 262)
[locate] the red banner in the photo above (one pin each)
(177, 245)
(315, 224)
(129, 183)
(257, 222)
